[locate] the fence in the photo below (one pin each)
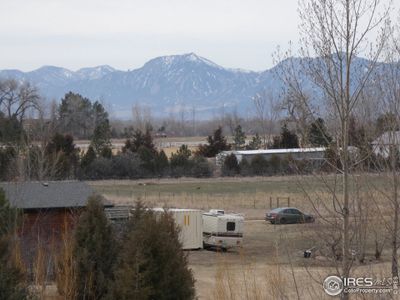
(256, 200)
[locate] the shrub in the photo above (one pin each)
(127, 165)
(245, 168)
(275, 164)
(259, 165)
(100, 168)
(200, 167)
(230, 166)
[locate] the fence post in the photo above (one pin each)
(277, 201)
(254, 202)
(270, 202)
(288, 201)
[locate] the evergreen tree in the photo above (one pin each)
(255, 143)
(181, 157)
(156, 267)
(100, 140)
(94, 252)
(7, 154)
(318, 135)
(76, 115)
(386, 122)
(138, 140)
(239, 137)
(12, 282)
(162, 163)
(62, 153)
(216, 143)
(148, 159)
(286, 140)
(88, 157)
(11, 130)
(180, 161)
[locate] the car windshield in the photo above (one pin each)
(276, 210)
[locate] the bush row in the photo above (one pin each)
(259, 166)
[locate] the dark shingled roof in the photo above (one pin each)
(53, 194)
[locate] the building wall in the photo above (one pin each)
(44, 229)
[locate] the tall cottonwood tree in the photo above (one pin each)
(333, 34)
(17, 98)
(387, 145)
(266, 113)
(78, 116)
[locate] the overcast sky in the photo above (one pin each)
(127, 33)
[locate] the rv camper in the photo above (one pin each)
(190, 224)
(222, 230)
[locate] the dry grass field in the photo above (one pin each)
(270, 265)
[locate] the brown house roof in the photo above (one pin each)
(53, 194)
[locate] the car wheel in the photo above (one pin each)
(282, 221)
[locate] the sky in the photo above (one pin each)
(127, 33)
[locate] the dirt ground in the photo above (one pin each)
(259, 250)
(272, 257)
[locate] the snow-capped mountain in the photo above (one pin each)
(166, 84)
(94, 73)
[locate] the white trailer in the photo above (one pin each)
(191, 226)
(222, 230)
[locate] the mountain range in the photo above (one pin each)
(167, 84)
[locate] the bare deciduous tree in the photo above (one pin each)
(142, 118)
(17, 98)
(333, 34)
(266, 111)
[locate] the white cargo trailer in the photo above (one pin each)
(191, 225)
(222, 230)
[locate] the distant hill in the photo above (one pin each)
(166, 84)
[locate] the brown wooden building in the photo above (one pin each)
(49, 209)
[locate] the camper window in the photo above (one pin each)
(230, 226)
